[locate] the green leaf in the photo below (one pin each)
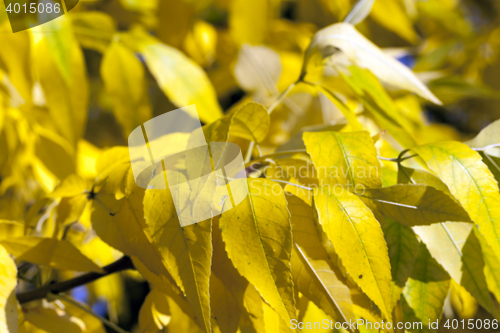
(186, 251)
(425, 291)
(416, 204)
(348, 159)
(313, 273)
(50, 252)
(492, 268)
(123, 76)
(402, 244)
(470, 181)
(359, 241)
(258, 239)
(8, 302)
(180, 78)
(363, 53)
(458, 250)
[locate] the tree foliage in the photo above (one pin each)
(372, 194)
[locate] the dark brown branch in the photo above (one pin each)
(120, 265)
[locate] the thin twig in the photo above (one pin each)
(120, 265)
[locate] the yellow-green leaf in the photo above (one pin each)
(123, 76)
(458, 250)
(55, 253)
(180, 78)
(359, 241)
(313, 273)
(416, 204)
(425, 291)
(470, 181)
(8, 302)
(492, 268)
(258, 239)
(403, 249)
(347, 159)
(186, 251)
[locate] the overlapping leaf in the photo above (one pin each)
(458, 250)
(186, 251)
(263, 221)
(347, 159)
(359, 241)
(471, 183)
(416, 204)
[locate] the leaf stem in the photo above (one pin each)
(121, 264)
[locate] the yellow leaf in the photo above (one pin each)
(123, 76)
(425, 291)
(462, 301)
(61, 69)
(8, 302)
(55, 253)
(70, 187)
(225, 307)
(263, 258)
(458, 250)
(252, 319)
(363, 53)
(273, 322)
(233, 284)
(180, 78)
(91, 323)
(201, 43)
(358, 240)
(346, 159)
(86, 158)
(470, 181)
(155, 312)
(416, 204)
(180, 321)
(314, 275)
(399, 21)
(187, 251)
(249, 21)
(90, 27)
(54, 320)
(114, 170)
(18, 66)
(55, 153)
